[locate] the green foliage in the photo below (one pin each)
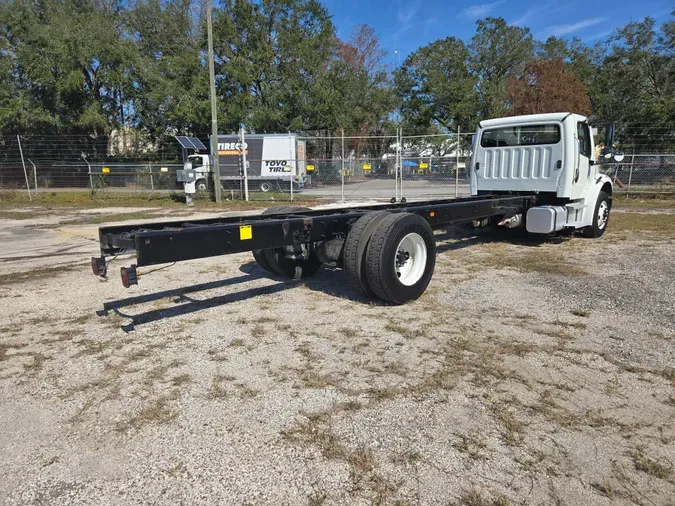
(435, 85)
(96, 67)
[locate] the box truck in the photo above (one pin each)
(275, 161)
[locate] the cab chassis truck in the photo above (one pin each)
(534, 171)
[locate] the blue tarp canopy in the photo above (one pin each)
(408, 163)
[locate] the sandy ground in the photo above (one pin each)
(533, 371)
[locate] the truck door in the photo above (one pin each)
(582, 173)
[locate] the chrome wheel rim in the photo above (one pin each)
(603, 214)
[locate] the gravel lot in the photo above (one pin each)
(533, 371)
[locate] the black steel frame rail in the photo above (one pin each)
(173, 241)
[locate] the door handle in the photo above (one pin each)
(477, 166)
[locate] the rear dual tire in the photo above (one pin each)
(390, 256)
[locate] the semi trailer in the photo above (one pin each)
(535, 172)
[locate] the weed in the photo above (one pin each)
(651, 466)
(348, 332)
(581, 312)
(512, 427)
(604, 488)
(237, 343)
(267, 319)
(258, 331)
(407, 457)
(157, 411)
(397, 328)
(180, 380)
(475, 498)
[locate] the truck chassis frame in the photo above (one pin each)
(287, 230)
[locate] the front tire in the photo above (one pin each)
(265, 186)
(201, 186)
(600, 217)
(401, 258)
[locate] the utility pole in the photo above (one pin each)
(214, 110)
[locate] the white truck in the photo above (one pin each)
(549, 156)
(275, 161)
(533, 171)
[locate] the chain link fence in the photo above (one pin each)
(333, 167)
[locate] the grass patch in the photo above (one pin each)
(475, 498)
(397, 328)
(157, 411)
(662, 224)
(640, 203)
(258, 331)
(11, 199)
(651, 466)
(348, 332)
(38, 274)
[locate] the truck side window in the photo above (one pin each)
(583, 134)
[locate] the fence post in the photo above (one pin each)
(459, 138)
(34, 173)
(91, 180)
(24, 168)
(243, 159)
(293, 165)
(400, 166)
(152, 183)
(342, 170)
(630, 174)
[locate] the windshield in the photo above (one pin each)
(195, 161)
(526, 135)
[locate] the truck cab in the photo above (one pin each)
(201, 164)
(549, 156)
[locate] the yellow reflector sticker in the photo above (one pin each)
(432, 214)
(245, 232)
(105, 170)
(310, 168)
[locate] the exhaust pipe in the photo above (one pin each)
(513, 222)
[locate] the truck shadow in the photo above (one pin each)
(325, 281)
(455, 238)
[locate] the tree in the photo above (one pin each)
(271, 60)
(171, 79)
(497, 51)
(546, 86)
(435, 86)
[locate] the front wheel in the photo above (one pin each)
(600, 217)
(265, 186)
(201, 186)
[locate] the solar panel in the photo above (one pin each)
(190, 142)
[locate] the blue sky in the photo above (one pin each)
(407, 24)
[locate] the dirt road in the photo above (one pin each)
(533, 371)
